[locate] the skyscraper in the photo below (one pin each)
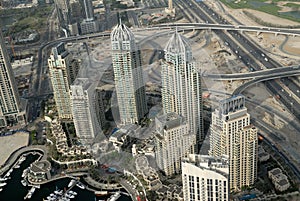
(84, 109)
(10, 112)
(205, 178)
(128, 75)
(233, 135)
(181, 84)
(88, 10)
(174, 141)
(63, 12)
(63, 70)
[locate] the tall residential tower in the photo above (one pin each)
(10, 111)
(84, 109)
(205, 178)
(174, 141)
(181, 84)
(234, 136)
(128, 74)
(63, 70)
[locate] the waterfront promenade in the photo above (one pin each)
(14, 156)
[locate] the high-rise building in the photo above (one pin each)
(173, 142)
(89, 26)
(10, 110)
(63, 12)
(205, 178)
(181, 84)
(76, 11)
(128, 75)
(63, 70)
(234, 136)
(101, 103)
(84, 109)
(88, 10)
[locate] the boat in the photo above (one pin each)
(101, 193)
(72, 192)
(3, 179)
(17, 166)
(72, 182)
(80, 185)
(115, 196)
(30, 193)
(25, 172)
(69, 196)
(1, 189)
(2, 184)
(58, 192)
(23, 158)
(24, 183)
(64, 199)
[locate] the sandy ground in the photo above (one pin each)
(11, 143)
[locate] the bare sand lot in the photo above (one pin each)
(11, 143)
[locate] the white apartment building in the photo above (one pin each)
(205, 178)
(84, 109)
(233, 135)
(174, 141)
(181, 84)
(10, 111)
(128, 75)
(63, 70)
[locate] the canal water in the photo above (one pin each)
(15, 191)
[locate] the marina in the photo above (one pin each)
(16, 191)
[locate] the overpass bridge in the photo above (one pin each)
(258, 29)
(267, 74)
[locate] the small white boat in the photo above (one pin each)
(23, 158)
(59, 192)
(24, 183)
(1, 189)
(2, 184)
(30, 193)
(69, 195)
(80, 185)
(115, 196)
(25, 172)
(3, 179)
(72, 182)
(17, 166)
(72, 192)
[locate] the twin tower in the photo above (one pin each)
(181, 82)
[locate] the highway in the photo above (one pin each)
(217, 26)
(248, 52)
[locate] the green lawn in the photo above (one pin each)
(29, 18)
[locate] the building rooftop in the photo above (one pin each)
(231, 104)
(121, 33)
(283, 182)
(84, 82)
(170, 120)
(40, 166)
(275, 171)
(218, 164)
(177, 44)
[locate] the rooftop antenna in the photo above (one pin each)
(120, 19)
